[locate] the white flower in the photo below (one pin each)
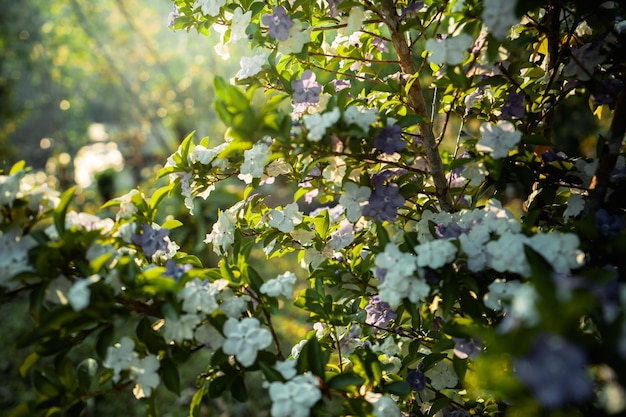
(435, 254)
(342, 237)
(78, 295)
(286, 368)
(560, 250)
(254, 163)
(516, 299)
(352, 198)
(296, 349)
(317, 123)
(209, 336)
(127, 207)
(278, 167)
(181, 328)
(244, 339)
(10, 187)
(222, 235)
(499, 17)
(286, 219)
(232, 305)
(120, 357)
(239, 24)
(507, 254)
(360, 116)
(294, 398)
(144, 372)
(383, 405)
(396, 262)
(205, 155)
(354, 21)
(450, 50)
(211, 7)
(252, 66)
(442, 376)
(299, 35)
(498, 139)
(281, 285)
(198, 297)
(335, 170)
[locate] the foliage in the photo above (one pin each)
(427, 295)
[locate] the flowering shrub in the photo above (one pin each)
(430, 288)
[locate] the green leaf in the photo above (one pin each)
(315, 358)
(86, 373)
(158, 196)
(65, 372)
(170, 376)
(28, 363)
(196, 401)
(61, 211)
(152, 339)
(438, 404)
(17, 167)
(347, 381)
(238, 389)
(400, 388)
(172, 224)
(105, 338)
(44, 385)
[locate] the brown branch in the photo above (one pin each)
(418, 105)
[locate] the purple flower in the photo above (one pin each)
(379, 314)
(412, 9)
(607, 92)
(416, 379)
(513, 107)
(306, 90)
(380, 43)
(279, 23)
(451, 231)
(332, 5)
(390, 140)
(554, 371)
(609, 224)
(464, 348)
(151, 240)
(552, 156)
(174, 14)
(384, 203)
(340, 85)
(174, 270)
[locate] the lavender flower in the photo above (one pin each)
(412, 9)
(554, 371)
(384, 203)
(609, 224)
(174, 14)
(306, 90)
(279, 23)
(607, 93)
(151, 240)
(464, 348)
(513, 107)
(389, 140)
(379, 313)
(340, 85)
(451, 231)
(174, 270)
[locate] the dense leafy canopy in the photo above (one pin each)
(460, 252)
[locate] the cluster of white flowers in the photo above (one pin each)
(222, 235)
(491, 238)
(383, 405)
(295, 397)
(255, 160)
(317, 123)
(251, 66)
(122, 357)
(516, 299)
(281, 285)
(399, 277)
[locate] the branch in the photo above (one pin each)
(418, 105)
